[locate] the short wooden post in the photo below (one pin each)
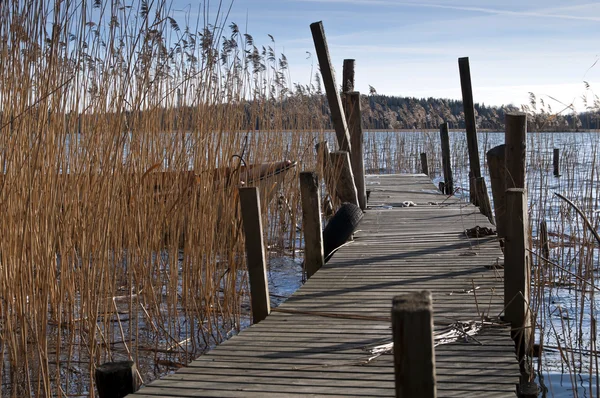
(311, 222)
(424, 168)
(255, 252)
(515, 149)
(323, 160)
(331, 89)
(483, 199)
(348, 76)
(116, 379)
(448, 183)
(414, 356)
(345, 189)
(469, 110)
(357, 140)
(544, 242)
(497, 169)
(556, 162)
(517, 273)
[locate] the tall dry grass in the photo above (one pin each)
(122, 137)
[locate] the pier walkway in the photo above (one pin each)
(321, 341)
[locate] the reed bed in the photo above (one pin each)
(122, 139)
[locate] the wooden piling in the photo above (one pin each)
(424, 168)
(352, 101)
(331, 89)
(556, 162)
(414, 356)
(255, 252)
(515, 149)
(311, 222)
(544, 241)
(348, 76)
(446, 165)
(517, 273)
(483, 199)
(116, 379)
(469, 111)
(345, 190)
(497, 170)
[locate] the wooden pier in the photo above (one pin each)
(320, 341)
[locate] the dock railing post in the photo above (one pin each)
(331, 89)
(517, 273)
(116, 379)
(515, 149)
(470, 125)
(353, 113)
(345, 189)
(497, 169)
(446, 165)
(311, 223)
(424, 168)
(255, 252)
(414, 356)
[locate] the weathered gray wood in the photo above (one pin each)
(352, 101)
(345, 189)
(446, 165)
(311, 223)
(469, 110)
(515, 149)
(483, 199)
(255, 252)
(331, 89)
(348, 76)
(556, 162)
(497, 171)
(116, 379)
(517, 273)
(424, 168)
(414, 357)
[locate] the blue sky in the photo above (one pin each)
(410, 48)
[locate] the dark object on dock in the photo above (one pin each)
(478, 232)
(116, 379)
(340, 228)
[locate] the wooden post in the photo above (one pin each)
(345, 189)
(483, 199)
(255, 251)
(469, 110)
(497, 169)
(331, 89)
(448, 183)
(116, 379)
(348, 76)
(424, 168)
(517, 273)
(357, 137)
(414, 356)
(323, 159)
(311, 222)
(556, 162)
(515, 149)
(544, 242)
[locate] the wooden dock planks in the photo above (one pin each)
(317, 342)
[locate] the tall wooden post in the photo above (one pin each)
(515, 149)
(345, 189)
(556, 162)
(331, 89)
(470, 125)
(517, 274)
(497, 169)
(311, 222)
(353, 113)
(446, 165)
(483, 199)
(424, 168)
(348, 76)
(255, 251)
(116, 379)
(414, 356)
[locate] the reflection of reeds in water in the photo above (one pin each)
(120, 233)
